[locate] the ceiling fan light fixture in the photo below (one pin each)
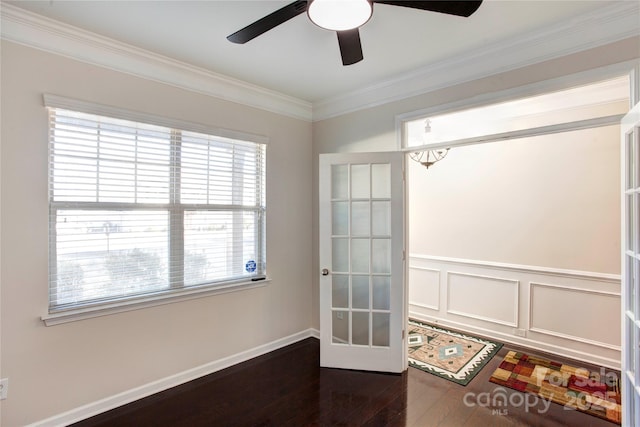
(339, 15)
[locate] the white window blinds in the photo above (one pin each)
(139, 209)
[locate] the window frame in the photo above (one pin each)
(89, 309)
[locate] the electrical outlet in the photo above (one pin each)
(520, 332)
(4, 388)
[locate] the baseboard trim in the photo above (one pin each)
(111, 402)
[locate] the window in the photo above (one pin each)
(139, 209)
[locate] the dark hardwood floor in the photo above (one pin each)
(288, 388)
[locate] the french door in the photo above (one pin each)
(631, 267)
(362, 285)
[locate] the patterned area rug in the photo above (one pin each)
(595, 393)
(451, 355)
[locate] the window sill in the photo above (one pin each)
(72, 315)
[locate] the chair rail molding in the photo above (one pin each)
(586, 275)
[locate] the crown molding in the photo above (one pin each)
(33, 30)
(606, 25)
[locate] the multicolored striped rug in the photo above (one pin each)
(593, 392)
(451, 355)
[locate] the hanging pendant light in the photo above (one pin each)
(339, 15)
(428, 158)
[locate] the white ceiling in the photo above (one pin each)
(299, 59)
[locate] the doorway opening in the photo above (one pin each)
(520, 221)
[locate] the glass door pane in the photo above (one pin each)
(340, 218)
(360, 182)
(631, 222)
(339, 181)
(381, 181)
(360, 331)
(340, 327)
(381, 329)
(361, 286)
(360, 216)
(631, 158)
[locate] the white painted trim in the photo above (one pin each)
(629, 126)
(134, 394)
(523, 133)
(516, 304)
(635, 86)
(33, 30)
(429, 307)
(607, 72)
(602, 353)
(585, 275)
(172, 296)
(375, 358)
(336, 340)
(434, 270)
(575, 338)
(573, 289)
(538, 88)
(525, 342)
(606, 25)
(532, 328)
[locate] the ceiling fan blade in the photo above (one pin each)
(459, 8)
(270, 21)
(350, 46)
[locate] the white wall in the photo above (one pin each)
(551, 200)
(374, 130)
(60, 368)
(520, 240)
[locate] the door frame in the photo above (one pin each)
(629, 68)
(630, 290)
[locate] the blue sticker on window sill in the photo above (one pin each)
(250, 266)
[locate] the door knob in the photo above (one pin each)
(325, 271)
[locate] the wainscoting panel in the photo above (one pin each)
(574, 314)
(426, 292)
(499, 298)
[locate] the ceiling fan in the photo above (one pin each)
(345, 17)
